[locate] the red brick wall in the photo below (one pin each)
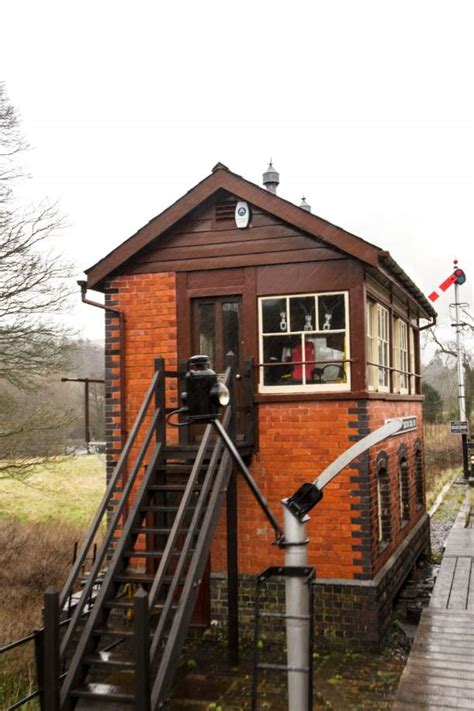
(381, 410)
(148, 302)
(297, 441)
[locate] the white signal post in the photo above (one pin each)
(458, 277)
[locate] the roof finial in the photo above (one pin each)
(304, 205)
(271, 178)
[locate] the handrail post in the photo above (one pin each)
(51, 650)
(142, 651)
(232, 537)
(184, 432)
(39, 660)
(249, 407)
(160, 400)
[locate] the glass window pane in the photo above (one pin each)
(274, 316)
(331, 312)
(207, 331)
(230, 328)
(328, 349)
(278, 354)
(302, 313)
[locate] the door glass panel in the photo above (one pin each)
(207, 331)
(230, 329)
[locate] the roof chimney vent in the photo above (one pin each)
(271, 178)
(304, 205)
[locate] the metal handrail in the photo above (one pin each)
(186, 547)
(107, 498)
(120, 505)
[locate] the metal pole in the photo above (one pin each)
(461, 388)
(262, 502)
(87, 431)
(51, 650)
(461, 392)
(297, 613)
(142, 651)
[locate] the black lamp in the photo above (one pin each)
(204, 394)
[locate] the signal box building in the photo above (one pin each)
(324, 329)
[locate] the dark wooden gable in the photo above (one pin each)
(197, 232)
(208, 238)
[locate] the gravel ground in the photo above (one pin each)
(443, 519)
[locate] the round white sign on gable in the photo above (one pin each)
(242, 215)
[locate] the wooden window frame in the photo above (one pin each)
(304, 387)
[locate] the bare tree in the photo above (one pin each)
(447, 348)
(33, 292)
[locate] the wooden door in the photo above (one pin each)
(217, 332)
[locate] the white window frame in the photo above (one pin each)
(382, 340)
(312, 387)
(412, 378)
(371, 328)
(403, 365)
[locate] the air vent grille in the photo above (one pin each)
(225, 209)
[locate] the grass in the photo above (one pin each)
(40, 520)
(68, 489)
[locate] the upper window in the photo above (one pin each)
(304, 342)
(400, 356)
(390, 351)
(378, 342)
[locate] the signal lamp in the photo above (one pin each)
(204, 394)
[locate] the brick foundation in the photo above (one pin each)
(352, 614)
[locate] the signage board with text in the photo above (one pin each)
(459, 427)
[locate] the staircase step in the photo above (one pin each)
(151, 554)
(176, 467)
(115, 632)
(105, 659)
(162, 508)
(103, 692)
(140, 578)
(158, 531)
(122, 605)
(170, 488)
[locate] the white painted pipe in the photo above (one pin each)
(297, 614)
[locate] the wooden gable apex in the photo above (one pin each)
(224, 180)
(300, 224)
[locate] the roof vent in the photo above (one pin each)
(271, 178)
(225, 208)
(304, 205)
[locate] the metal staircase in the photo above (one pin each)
(122, 643)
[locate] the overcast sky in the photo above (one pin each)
(366, 107)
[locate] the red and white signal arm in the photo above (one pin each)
(457, 277)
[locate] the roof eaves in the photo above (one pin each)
(389, 263)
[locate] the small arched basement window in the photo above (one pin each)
(419, 477)
(384, 528)
(404, 481)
